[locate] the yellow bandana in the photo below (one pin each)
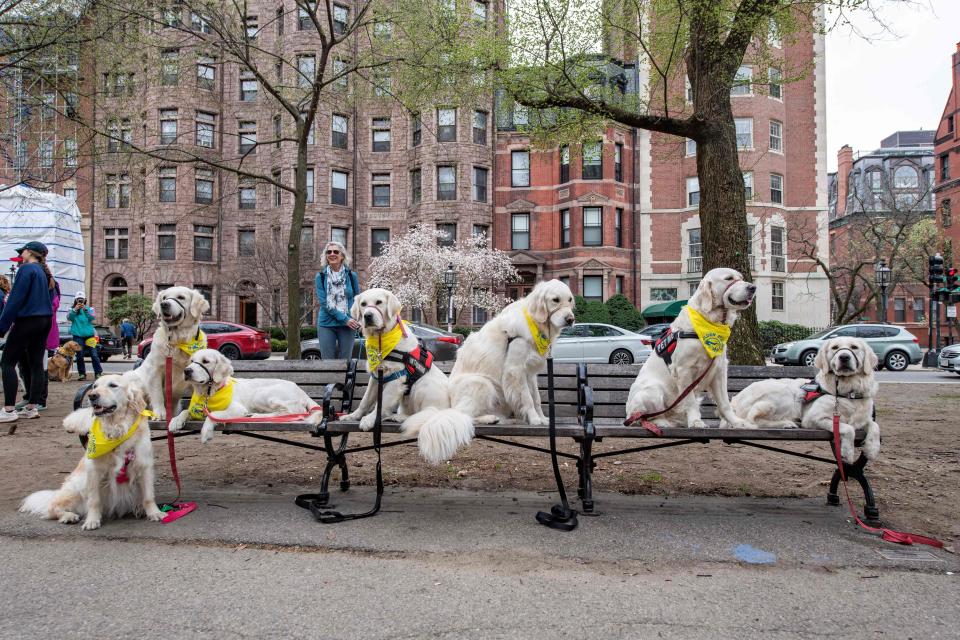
(541, 341)
(92, 342)
(190, 347)
(713, 335)
(217, 401)
(98, 444)
(379, 347)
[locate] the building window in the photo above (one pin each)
(277, 131)
(875, 178)
(381, 134)
(117, 241)
(945, 167)
(480, 12)
(564, 164)
(521, 116)
(278, 19)
(342, 82)
(618, 227)
(69, 152)
(169, 67)
(593, 288)
(520, 231)
(251, 27)
(905, 178)
(248, 86)
(776, 83)
(777, 252)
(691, 149)
(592, 226)
(339, 131)
(744, 132)
(946, 214)
(776, 136)
(118, 191)
(520, 168)
(203, 186)
(447, 125)
(70, 192)
(306, 71)
(277, 191)
(482, 232)
(338, 187)
(304, 13)
(168, 126)
(480, 125)
(748, 185)
(199, 23)
(247, 134)
(693, 191)
(378, 239)
(564, 228)
(663, 294)
(166, 242)
(306, 241)
(619, 285)
(480, 184)
(776, 188)
(694, 251)
(206, 124)
(416, 186)
(742, 82)
(248, 196)
(593, 161)
(776, 296)
(246, 243)
(479, 313)
(202, 243)
(338, 234)
(416, 126)
(446, 183)
(689, 89)
(618, 162)
(449, 237)
(46, 153)
(341, 16)
(380, 190)
(900, 310)
(919, 307)
(206, 73)
(309, 185)
(168, 184)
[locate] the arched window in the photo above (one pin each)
(119, 282)
(116, 287)
(905, 177)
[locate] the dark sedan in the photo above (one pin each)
(443, 344)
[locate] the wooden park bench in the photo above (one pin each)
(589, 406)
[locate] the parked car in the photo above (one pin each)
(443, 344)
(949, 359)
(595, 342)
(108, 347)
(655, 330)
(896, 348)
(236, 341)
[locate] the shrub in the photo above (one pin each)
(279, 333)
(278, 346)
(464, 331)
(591, 311)
(773, 332)
(623, 314)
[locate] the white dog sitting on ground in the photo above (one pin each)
(179, 310)
(414, 391)
(210, 375)
(695, 342)
(115, 476)
(844, 383)
(495, 376)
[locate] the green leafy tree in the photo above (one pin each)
(623, 314)
(137, 308)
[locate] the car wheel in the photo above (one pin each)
(310, 355)
(621, 356)
(807, 358)
(896, 361)
(231, 351)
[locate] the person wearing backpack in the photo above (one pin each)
(336, 285)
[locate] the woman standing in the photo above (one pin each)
(29, 309)
(81, 319)
(336, 286)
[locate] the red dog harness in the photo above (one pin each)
(667, 343)
(416, 363)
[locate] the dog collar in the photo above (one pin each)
(813, 390)
(99, 444)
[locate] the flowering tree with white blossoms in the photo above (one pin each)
(412, 267)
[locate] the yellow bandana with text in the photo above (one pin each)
(216, 401)
(713, 335)
(379, 347)
(190, 347)
(540, 341)
(98, 444)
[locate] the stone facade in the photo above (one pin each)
(947, 152)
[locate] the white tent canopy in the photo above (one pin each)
(28, 214)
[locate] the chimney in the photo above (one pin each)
(844, 166)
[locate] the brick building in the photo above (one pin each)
(947, 152)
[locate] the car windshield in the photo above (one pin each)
(820, 334)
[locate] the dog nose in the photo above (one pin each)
(93, 396)
(751, 288)
(570, 320)
(845, 357)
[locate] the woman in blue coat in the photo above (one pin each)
(336, 285)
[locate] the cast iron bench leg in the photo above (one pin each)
(335, 459)
(585, 466)
(855, 471)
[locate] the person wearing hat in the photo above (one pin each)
(81, 319)
(29, 311)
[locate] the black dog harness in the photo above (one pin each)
(812, 391)
(667, 343)
(415, 363)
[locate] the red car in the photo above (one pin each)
(236, 341)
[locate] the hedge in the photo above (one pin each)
(278, 346)
(279, 333)
(773, 332)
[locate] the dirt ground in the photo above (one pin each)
(916, 478)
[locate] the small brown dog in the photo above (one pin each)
(58, 367)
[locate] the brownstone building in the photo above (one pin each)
(947, 152)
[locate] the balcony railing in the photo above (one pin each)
(695, 265)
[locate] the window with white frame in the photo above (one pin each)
(310, 129)
(777, 249)
(46, 153)
(167, 177)
(776, 188)
(744, 132)
(203, 186)
(480, 126)
(381, 134)
(309, 187)
(748, 185)
(380, 189)
(446, 124)
(592, 226)
(168, 126)
(307, 69)
(446, 182)
(618, 227)
(247, 136)
(694, 251)
(379, 238)
(117, 241)
(206, 72)
(520, 231)
(338, 234)
(416, 128)
(691, 147)
(775, 77)
(593, 161)
(520, 168)
(166, 242)
(248, 86)
(905, 177)
(565, 228)
(480, 177)
(481, 231)
(305, 11)
(339, 131)
(342, 82)
(341, 17)
(688, 89)
(593, 288)
(742, 82)
(169, 67)
(776, 136)
(206, 125)
(338, 187)
(776, 296)
(663, 294)
(246, 243)
(251, 27)
(449, 234)
(480, 10)
(202, 243)
(565, 163)
(693, 191)
(70, 152)
(248, 195)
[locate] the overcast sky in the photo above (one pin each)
(890, 83)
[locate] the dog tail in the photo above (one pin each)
(440, 432)
(38, 503)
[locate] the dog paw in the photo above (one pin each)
(697, 424)
(176, 424)
(154, 514)
(69, 517)
(368, 421)
(736, 424)
(206, 435)
(159, 414)
(352, 416)
(487, 419)
(394, 417)
(538, 421)
(90, 523)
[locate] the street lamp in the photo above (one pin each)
(881, 275)
(450, 279)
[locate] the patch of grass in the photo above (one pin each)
(652, 476)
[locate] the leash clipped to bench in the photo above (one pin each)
(314, 501)
(174, 510)
(561, 516)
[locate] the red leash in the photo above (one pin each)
(644, 418)
(175, 510)
(288, 417)
(889, 535)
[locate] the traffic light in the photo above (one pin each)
(953, 285)
(937, 277)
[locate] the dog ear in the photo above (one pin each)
(199, 305)
(156, 303)
(224, 368)
(870, 359)
(393, 305)
(703, 297)
(355, 308)
(536, 303)
(136, 393)
(821, 362)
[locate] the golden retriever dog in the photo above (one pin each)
(844, 382)
(719, 298)
(108, 482)
(58, 366)
(414, 391)
(179, 310)
(495, 376)
(210, 374)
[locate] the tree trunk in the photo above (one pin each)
(293, 249)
